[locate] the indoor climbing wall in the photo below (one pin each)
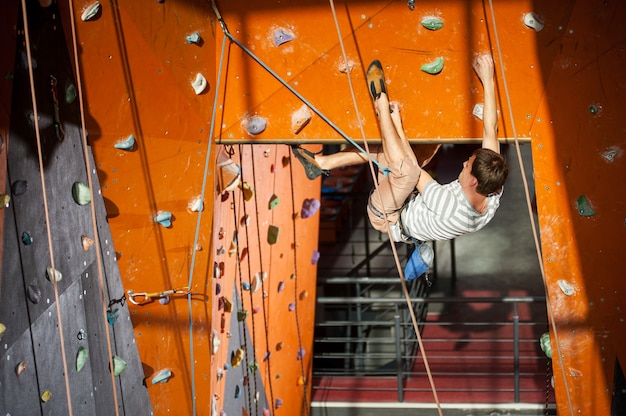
(67, 340)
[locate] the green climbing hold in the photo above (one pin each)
(546, 347)
(70, 94)
(272, 234)
(432, 23)
(27, 239)
(81, 358)
(274, 202)
(584, 208)
(253, 366)
(119, 365)
(242, 314)
(81, 193)
(433, 67)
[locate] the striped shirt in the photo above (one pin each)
(442, 212)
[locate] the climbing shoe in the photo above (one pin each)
(311, 168)
(376, 79)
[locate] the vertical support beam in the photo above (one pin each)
(516, 371)
(396, 320)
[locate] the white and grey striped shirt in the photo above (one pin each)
(442, 212)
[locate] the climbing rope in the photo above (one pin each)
(45, 205)
(529, 206)
(94, 224)
(384, 169)
(391, 242)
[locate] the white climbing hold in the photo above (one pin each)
(256, 125)
(566, 287)
(53, 275)
(478, 111)
(532, 21)
(195, 204)
(194, 38)
(199, 84)
(162, 376)
(90, 12)
(215, 342)
(300, 118)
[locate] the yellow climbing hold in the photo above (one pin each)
(46, 396)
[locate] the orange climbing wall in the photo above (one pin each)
(137, 69)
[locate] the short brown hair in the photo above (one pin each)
(490, 170)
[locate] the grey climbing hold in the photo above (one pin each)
(433, 67)
(119, 365)
(19, 187)
(282, 36)
(91, 12)
(533, 21)
(256, 125)
(162, 376)
(81, 358)
(432, 23)
(81, 193)
(27, 239)
(164, 218)
(33, 292)
(126, 144)
(566, 287)
(583, 207)
(194, 38)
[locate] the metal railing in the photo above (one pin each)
(372, 336)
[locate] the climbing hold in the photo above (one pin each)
(244, 254)
(309, 207)
(229, 173)
(164, 300)
(126, 144)
(301, 353)
(162, 376)
(215, 342)
(228, 305)
(593, 109)
(245, 285)
(256, 310)
(300, 118)
(70, 93)
(303, 295)
(291, 307)
(27, 239)
(90, 12)
(195, 204)
(253, 366)
(19, 187)
(217, 271)
(266, 357)
(232, 249)
(248, 192)
(19, 369)
(81, 193)
(218, 289)
(279, 402)
(610, 155)
(566, 287)
(292, 276)
(199, 84)
(33, 292)
(194, 38)
(274, 201)
(53, 275)
(300, 381)
(4, 200)
(245, 221)
(257, 282)
(533, 21)
(219, 373)
(119, 365)
(3, 330)
(236, 357)
(282, 36)
(266, 411)
(433, 67)
(164, 218)
(281, 286)
(279, 346)
(46, 396)
(81, 358)
(237, 391)
(221, 233)
(86, 242)
(112, 316)
(478, 111)
(584, 208)
(272, 234)
(432, 23)
(256, 125)
(315, 257)
(242, 314)
(285, 161)
(545, 344)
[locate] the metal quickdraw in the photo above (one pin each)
(141, 298)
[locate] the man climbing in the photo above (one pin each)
(435, 211)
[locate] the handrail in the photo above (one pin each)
(361, 300)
